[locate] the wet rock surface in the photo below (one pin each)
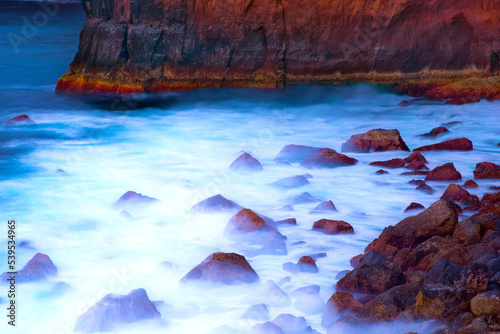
(375, 140)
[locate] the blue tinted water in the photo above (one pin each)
(176, 147)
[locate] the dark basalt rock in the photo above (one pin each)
(246, 163)
(459, 144)
(131, 198)
(223, 268)
(215, 203)
(376, 141)
(37, 269)
(114, 311)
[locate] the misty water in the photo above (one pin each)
(177, 147)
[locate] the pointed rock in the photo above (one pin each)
(117, 310)
(303, 198)
(245, 221)
(133, 198)
(446, 172)
(223, 268)
(246, 163)
(435, 132)
(215, 203)
(20, 120)
(414, 206)
(470, 184)
(324, 206)
(37, 269)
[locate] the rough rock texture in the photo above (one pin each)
(420, 47)
(245, 221)
(332, 226)
(459, 144)
(414, 206)
(117, 310)
(375, 140)
(37, 269)
(223, 268)
(246, 163)
(446, 172)
(433, 268)
(487, 170)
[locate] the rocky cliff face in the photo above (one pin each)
(160, 45)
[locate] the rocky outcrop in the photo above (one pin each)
(245, 163)
(131, 198)
(20, 120)
(327, 158)
(459, 144)
(215, 203)
(434, 267)
(332, 226)
(446, 172)
(487, 170)
(117, 310)
(126, 46)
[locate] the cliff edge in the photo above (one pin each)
(437, 48)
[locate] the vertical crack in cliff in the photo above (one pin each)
(229, 61)
(285, 42)
(249, 6)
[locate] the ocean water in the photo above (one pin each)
(177, 147)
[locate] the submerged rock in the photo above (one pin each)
(245, 221)
(459, 144)
(470, 184)
(23, 120)
(327, 158)
(296, 153)
(414, 206)
(215, 203)
(324, 206)
(266, 328)
(39, 268)
(291, 182)
(393, 163)
(455, 193)
(258, 312)
(446, 172)
(223, 268)
(487, 170)
(338, 303)
(246, 163)
(303, 198)
(306, 264)
(131, 198)
(435, 132)
(375, 140)
(114, 311)
(271, 294)
(332, 226)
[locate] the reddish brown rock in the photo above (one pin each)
(435, 132)
(437, 220)
(375, 140)
(20, 120)
(245, 221)
(417, 165)
(327, 158)
(441, 302)
(355, 260)
(296, 153)
(455, 193)
(339, 302)
(375, 273)
(288, 221)
(415, 156)
(223, 268)
(446, 172)
(381, 172)
(459, 144)
(491, 210)
(487, 303)
(491, 198)
(487, 170)
(470, 231)
(246, 163)
(332, 226)
(394, 163)
(414, 206)
(470, 184)
(307, 264)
